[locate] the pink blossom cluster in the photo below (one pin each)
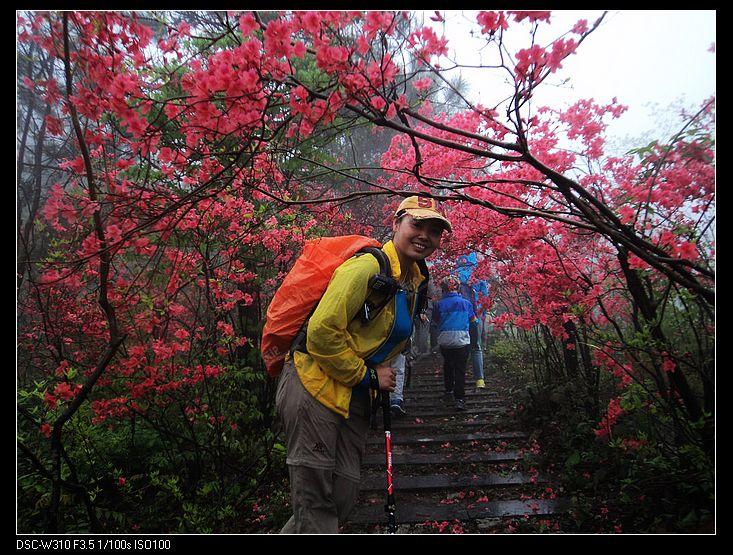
(613, 413)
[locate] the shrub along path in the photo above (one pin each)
(469, 471)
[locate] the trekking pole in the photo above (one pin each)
(389, 506)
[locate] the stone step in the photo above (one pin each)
(374, 481)
(438, 387)
(437, 399)
(402, 439)
(414, 514)
(449, 410)
(440, 404)
(399, 460)
(428, 394)
(407, 423)
(439, 380)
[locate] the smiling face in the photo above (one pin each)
(416, 239)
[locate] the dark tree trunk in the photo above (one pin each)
(677, 379)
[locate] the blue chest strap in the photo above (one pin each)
(401, 329)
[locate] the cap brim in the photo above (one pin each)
(420, 214)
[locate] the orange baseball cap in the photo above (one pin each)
(423, 208)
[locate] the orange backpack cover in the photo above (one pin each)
(300, 292)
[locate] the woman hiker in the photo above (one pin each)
(323, 396)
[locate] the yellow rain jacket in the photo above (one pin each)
(338, 341)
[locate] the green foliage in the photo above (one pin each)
(162, 472)
(644, 152)
(505, 353)
(631, 480)
(650, 475)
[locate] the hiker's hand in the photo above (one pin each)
(387, 377)
(424, 318)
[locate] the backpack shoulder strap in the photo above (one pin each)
(422, 290)
(382, 283)
(384, 265)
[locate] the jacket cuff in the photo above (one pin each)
(365, 381)
(370, 380)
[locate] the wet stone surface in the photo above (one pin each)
(455, 471)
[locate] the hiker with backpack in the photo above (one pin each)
(401, 362)
(474, 290)
(342, 357)
(454, 317)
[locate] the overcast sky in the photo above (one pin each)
(646, 59)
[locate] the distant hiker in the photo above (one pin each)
(352, 338)
(478, 362)
(454, 317)
(396, 396)
(418, 345)
(472, 290)
(434, 294)
(421, 335)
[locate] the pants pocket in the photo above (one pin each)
(284, 377)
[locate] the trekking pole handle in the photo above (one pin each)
(386, 414)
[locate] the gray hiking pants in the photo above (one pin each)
(324, 454)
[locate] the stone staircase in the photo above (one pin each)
(460, 472)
